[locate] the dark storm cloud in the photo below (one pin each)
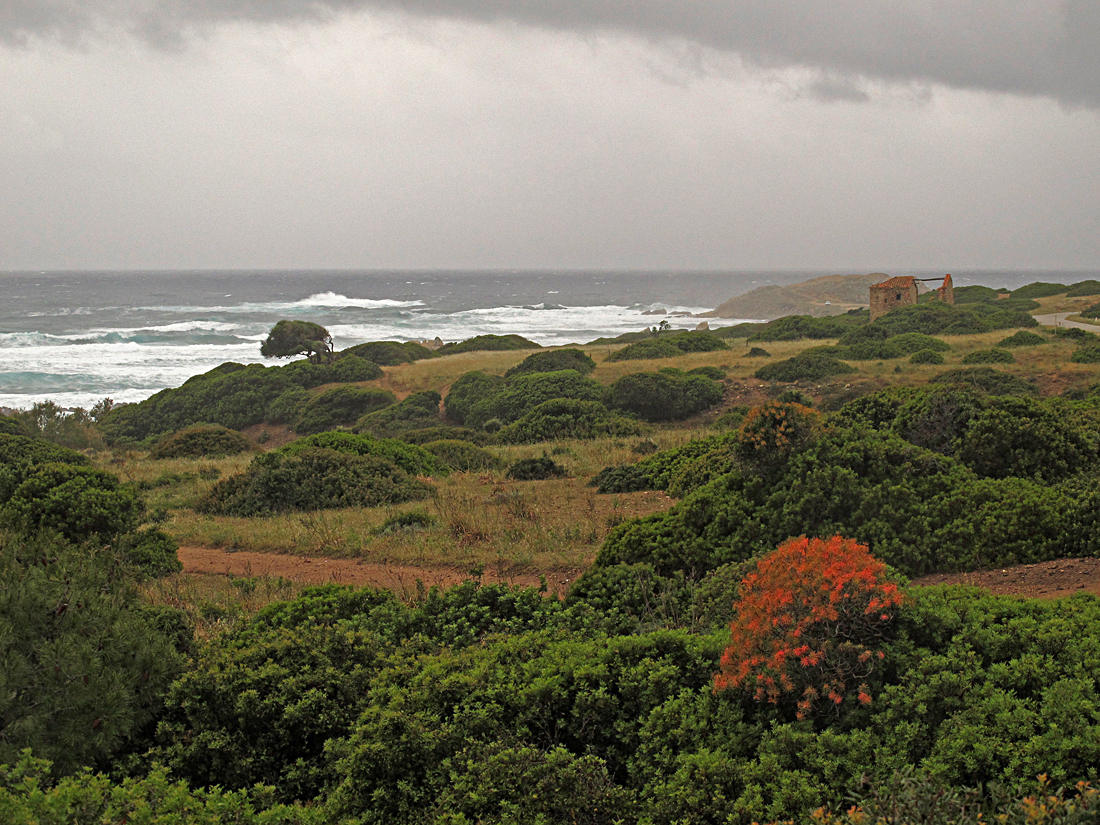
(1030, 47)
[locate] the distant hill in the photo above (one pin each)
(828, 295)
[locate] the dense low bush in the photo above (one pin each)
(1023, 338)
(1039, 289)
(201, 441)
(796, 327)
(566, 418)
(386, 353)
(988, 380)
(663, 396)
(988, 356)
(462, 455)
(758, 352)
(423, 435)
(554, 360)
(535, 469)
(1088, 354)
(508, 401)
(468, 390)
(926, 356)
(488, 343)
(670, 346)
(340, 406)
(1091, 312)
(808, 366)
(416, 412)
(1083, 288)
(411, 458)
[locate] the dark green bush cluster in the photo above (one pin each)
(387, 353)
(1087, 354)
(1039, 289)
(535, 469)
(232, 395)
(797, 327)
(926, 356)
(566, 418)
(758, 352)
(977, 294)
(806, 366)
(668, 395)
(329, 470)
(476, 398)
(670, 346)
(416, 412)
(423, 435)
(988, 380)
(462, 455)
(1091, 312)
(201, 441)
(989, 356)
(554, 360)
(1083, 288)
(340, 406)
(1023, 338)
(488, 343)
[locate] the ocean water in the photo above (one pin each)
(77, 337)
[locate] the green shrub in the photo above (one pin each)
(713, 373)
(287, 407)
(425, 434)
(1083, 288)
(911, 342)
(697, 341)
(10, 425)
(807, 366)
(796, 327)
(989, 356)
(988, 380)
(488, 343)
(758, 352)
(312, 479)
(623, 478)
(152, 552)
(1075, 334)
(77, 502)
(340, 406)
(1089, 354)
(535, 469)
(566, 418)
(926, 356)
(554, 360)
(650, 348)
(462, 455)
(84, 669)
(1039, 289)
(201, 441)
(1091, 312)
(387, 353)
(663, 397)
(521, 393)
(977, 294)
(1022, 339)
(350, 368)
(468, 390)
(411, 458)
(417, 411)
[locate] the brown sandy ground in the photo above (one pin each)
(1046, 580)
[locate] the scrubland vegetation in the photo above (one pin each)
(743, 646)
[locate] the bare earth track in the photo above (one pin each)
(1046, 580)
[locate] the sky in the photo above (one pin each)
(832, 135)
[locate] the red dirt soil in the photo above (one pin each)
(1046, 580)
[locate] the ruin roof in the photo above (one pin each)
(897, 282)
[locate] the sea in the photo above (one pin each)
(75, 338)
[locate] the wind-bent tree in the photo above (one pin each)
(289, 338)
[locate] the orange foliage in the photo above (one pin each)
(774, 430)
(807, 622)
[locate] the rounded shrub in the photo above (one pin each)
(468, 390)
(554, 360)
(926, 356)
(340, 406)
(1091, 312)
(77, 502)
(201, 441)
(1023, 338)
(462, 455)
(566, 418)
(662, 396)
(989, 356)
(353, 368)
(535, 469)
(758, 352)
(808, 366)
(1089, 354)
(651, 348)
(912, 342)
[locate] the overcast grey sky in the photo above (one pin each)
(847, 135)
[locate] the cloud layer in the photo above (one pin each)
(1025, 47)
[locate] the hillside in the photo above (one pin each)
(828, 295)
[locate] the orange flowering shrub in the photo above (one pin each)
(807, 623)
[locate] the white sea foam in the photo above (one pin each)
(327, 300)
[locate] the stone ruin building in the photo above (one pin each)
(902, 292)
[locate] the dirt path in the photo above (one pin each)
(1046, 580)
(319, 570)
